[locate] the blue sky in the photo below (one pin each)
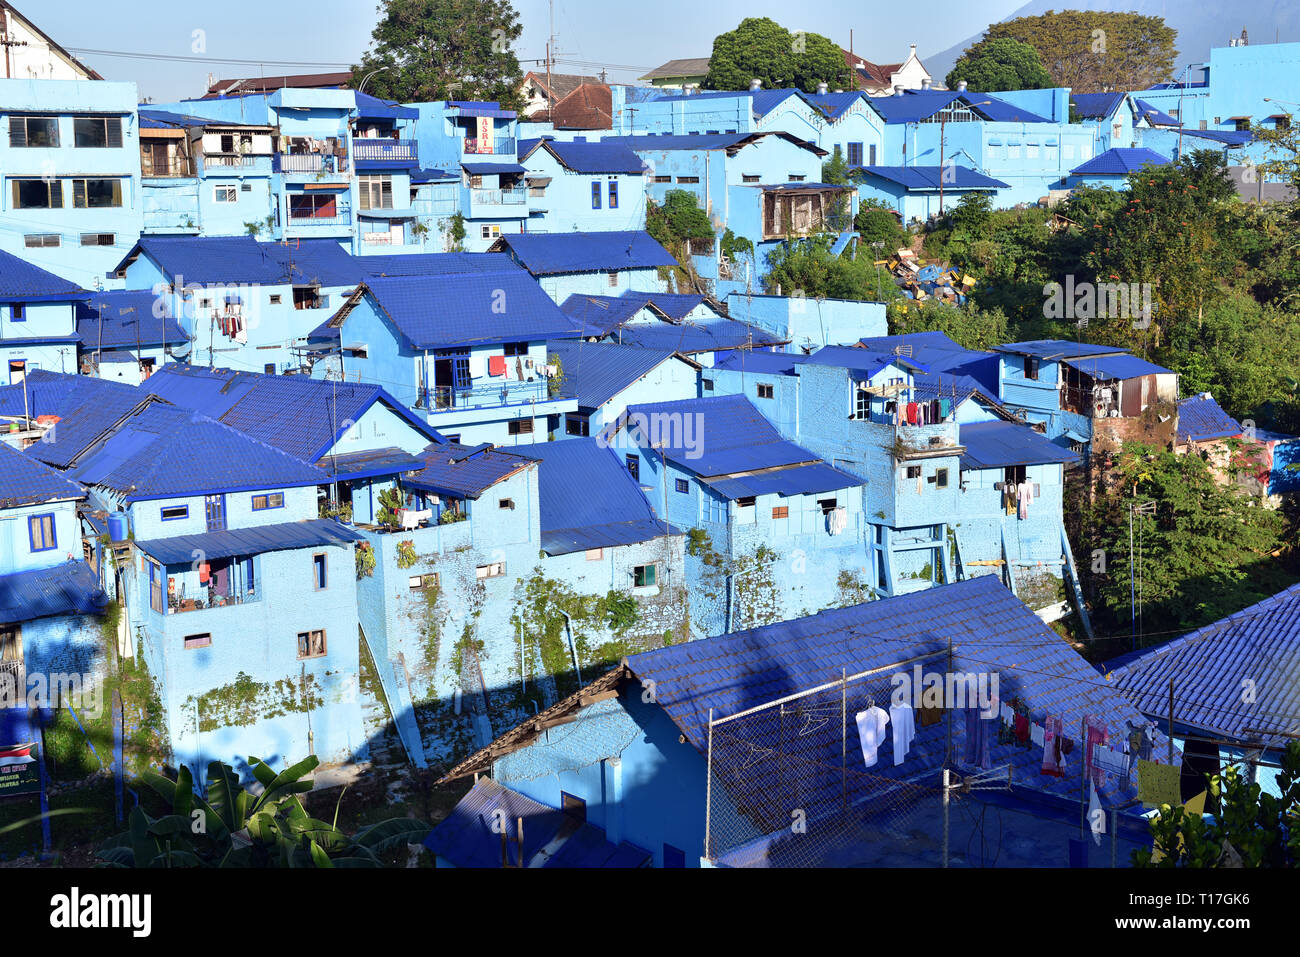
(633, 37)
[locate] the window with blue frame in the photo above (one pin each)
(595, 194)
(683, 486)
(714, 510)
(40, 529)
(18, 312)
(318, 571)
(613, 194)
(273, 500)
(172, 513)
(855, 154)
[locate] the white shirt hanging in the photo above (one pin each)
(871, 731)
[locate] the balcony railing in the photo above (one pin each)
(310, 163)
(500, 197)
(231, 160)
(509, 392)
(179, 167)
(382, 149)
(307, 219)
(206, 599)
(495, 146)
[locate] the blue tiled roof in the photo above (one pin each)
(25, 481)
(990, 630)
(435, 264)
(55, 393)
(463, 309)
(1200, 418)
(1000, 444)
(483, 108)
(67, 589)
(370, 463)
(865, 362)
(1095, 106)
(20, 280)
(1211, 666)
(599, 315)
(1119, 161)
(165, 451)
(916, 105)
(649, 142)
(210, 259)
(1154, 116)
(469, 836)
(227, 543)
(1121, 366)
(929, 177)
(315, 261)
(608, 156)
(464, 471)
(295, 414)
(1226, 137)
(587, 499)
(749, 360)
(121, 319)
(727, 435)
(545, 254)
(672, 305)
(934, 349)
(1056, 349)
(959, 388)
(82, 425)
(595, 372)
(166, 119)
(690, 338)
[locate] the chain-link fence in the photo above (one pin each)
(793, 783)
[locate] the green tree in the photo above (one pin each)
(1244, 824)
(877, 222)
(969, 327)
(760, 48)
(1094, 51)
(424, 50)
(1000, 63)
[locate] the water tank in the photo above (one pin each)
(117, 529)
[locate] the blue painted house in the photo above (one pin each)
(127, 335)
(686, 752)
(807, 324)
(778, 528)
(71, 160)
(1112, 167)
(595, 264)
(606, 378)
(468, 350)
(576, 186)
(37, 319)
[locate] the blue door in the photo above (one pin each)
(215, 508)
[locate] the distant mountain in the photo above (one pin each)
(1199, 25)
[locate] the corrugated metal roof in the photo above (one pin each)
(799, 480)
(716, 436)
(491, 169)
(466, 308)
(1001, 444)
(1256, 648)
(163, 451)
(315, 262)
(19, 279)
(916, 105)
(470, 836)
(372, 107)
(1154, 116)
(544, 254)
(595, 372)
(67, 589)
(55, 393)
(210, 259)
(464, 471)
(25, 481)
(81, 426)
(1119, 161)
(990, 630)
(120, 319)
(1225, 137)
(692, 337)
(295, 414)
(608, 156)
(435, 264)
(673, 305)
(1056, 349)
(354, 465)
(1121, 366)
(930, 177)
(600, 314)
(588, 499)
(934, 349)
(285, 536)
(426, 175)
(1201, 418)
(835, 104)
(766, 363)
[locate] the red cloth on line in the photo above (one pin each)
(911, 413)
(496, 365)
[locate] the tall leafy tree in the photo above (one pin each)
(1093, 51)
(1000, 63)
(424, 50)
(760, 48)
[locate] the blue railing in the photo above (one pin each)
(383, 149)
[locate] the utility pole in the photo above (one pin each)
(1146, 508)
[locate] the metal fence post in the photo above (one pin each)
(708, 787)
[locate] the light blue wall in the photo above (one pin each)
(811, 323)
(16, 554)
(66, 99)
(566, 205)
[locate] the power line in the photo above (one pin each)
(206, 59)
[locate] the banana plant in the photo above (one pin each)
(233, 827)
